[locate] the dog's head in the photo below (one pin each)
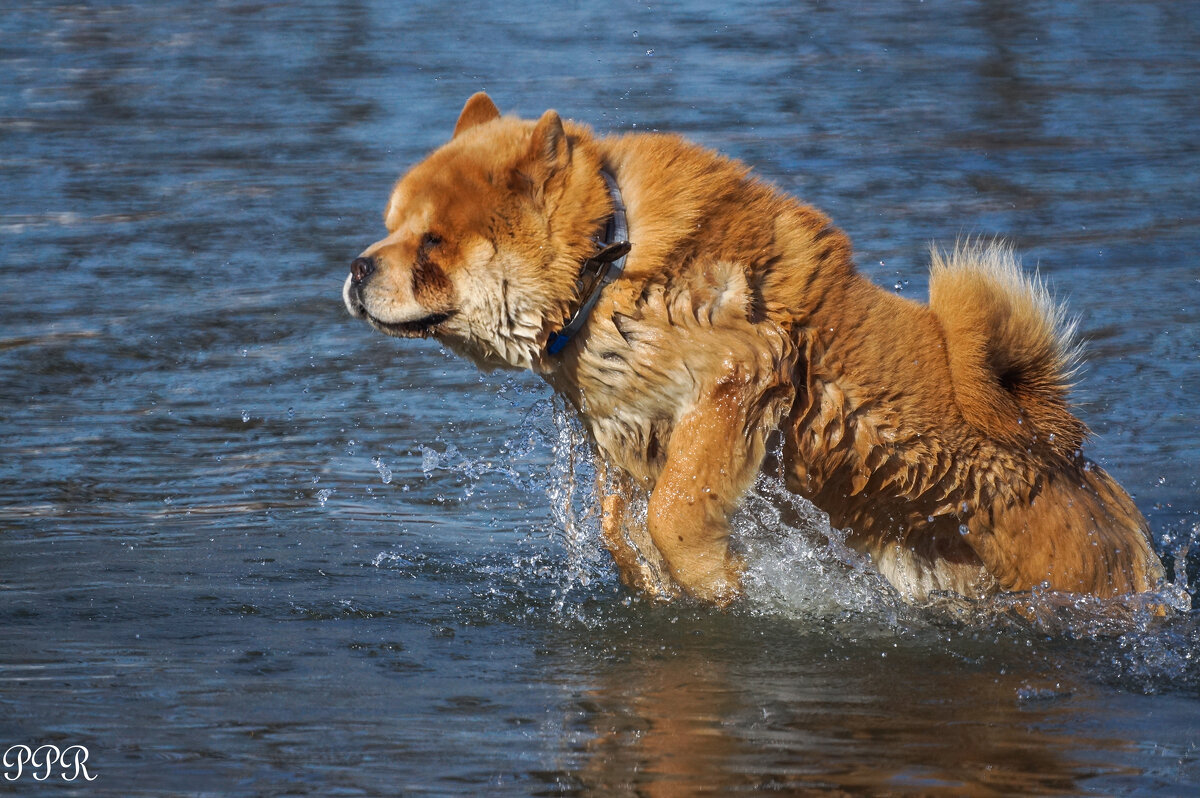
(485, 237)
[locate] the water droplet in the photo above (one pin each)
(245, 417)
(385, 473)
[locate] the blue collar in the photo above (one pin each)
(598, 270)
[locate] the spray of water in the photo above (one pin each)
(800, 568)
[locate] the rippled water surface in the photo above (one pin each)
(248, 547)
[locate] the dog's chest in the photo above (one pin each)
(647, 357)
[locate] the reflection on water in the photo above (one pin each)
(680, 724)
(247, 547)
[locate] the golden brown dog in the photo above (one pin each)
(938, 435)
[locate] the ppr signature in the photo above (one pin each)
(45, 760)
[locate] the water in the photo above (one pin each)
(248, 547)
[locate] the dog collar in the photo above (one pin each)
(598, 270)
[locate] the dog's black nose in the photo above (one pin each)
(361, 269)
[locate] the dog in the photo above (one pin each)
(692, 314)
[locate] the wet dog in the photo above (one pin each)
(689, 311)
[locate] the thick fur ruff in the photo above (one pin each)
(938, 435)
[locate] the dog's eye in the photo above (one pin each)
(429, 241)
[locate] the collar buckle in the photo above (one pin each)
(612, 252)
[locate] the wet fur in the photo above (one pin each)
(939, 435)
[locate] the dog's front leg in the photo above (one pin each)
(637, 558)
(714, 452)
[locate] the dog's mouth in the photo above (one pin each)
(419, 328)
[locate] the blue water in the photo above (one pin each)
(248, 547)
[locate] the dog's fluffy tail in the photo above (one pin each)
(1011, 348)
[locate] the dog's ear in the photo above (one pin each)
(550, 149)
(479, 109)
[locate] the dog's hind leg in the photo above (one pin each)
(1079, 532)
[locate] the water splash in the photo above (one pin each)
(799, 568)
(385, 473)
(473, 470)
(574, 503)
